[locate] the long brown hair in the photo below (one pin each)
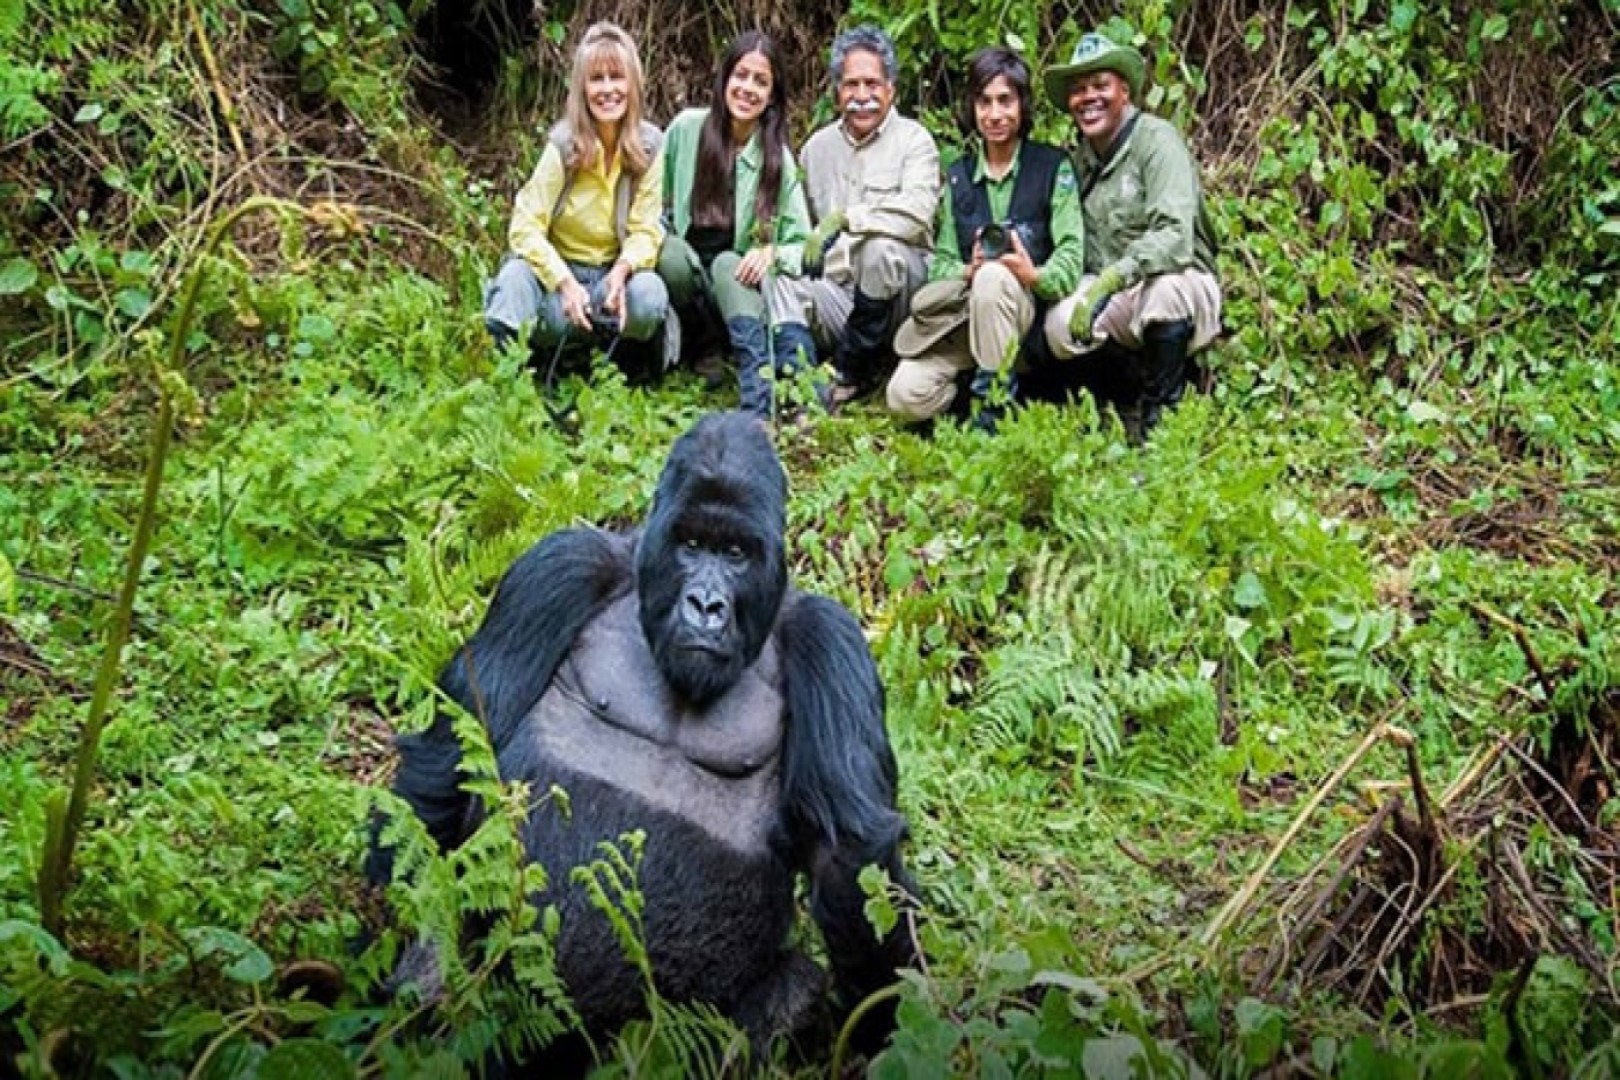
(605, 45)
(712, 194)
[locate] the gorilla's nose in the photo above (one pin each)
(706, 609)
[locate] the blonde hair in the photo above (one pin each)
(606, 45)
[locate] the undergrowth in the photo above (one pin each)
(1115, 678)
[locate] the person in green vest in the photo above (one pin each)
(1009, 244)
(737, 217)
(585, 232)
(1150, 298)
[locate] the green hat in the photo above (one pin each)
(1097, 53)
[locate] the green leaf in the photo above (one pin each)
(1249, 593)
(305, 1059)
(11, 17)
(17, 276)
(1495, 29)
(1421, 412)
(244, 962)
(8, 584)
(88, 112)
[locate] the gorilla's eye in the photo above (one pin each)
(735, 551)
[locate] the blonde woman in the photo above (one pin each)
(585, 232)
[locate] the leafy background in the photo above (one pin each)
(1131, 693)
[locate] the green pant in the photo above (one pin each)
(687, 280)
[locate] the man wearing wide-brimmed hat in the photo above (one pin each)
(1150, 298)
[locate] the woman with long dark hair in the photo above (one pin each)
(736, 215)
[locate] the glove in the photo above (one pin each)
(821, 238)
(1089, 308)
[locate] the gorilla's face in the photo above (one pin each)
(710, 567)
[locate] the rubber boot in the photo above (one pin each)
(748, 347)
(863, 355)
(1164, 369)
(793, 349)
(991, 396)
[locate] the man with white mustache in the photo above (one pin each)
(873, 181)
(1150, 298)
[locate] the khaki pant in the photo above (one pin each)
(1190, 294)
(880, 267)
(1000, 312)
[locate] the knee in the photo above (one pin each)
(646, 301)
(995, 287)
(913, 392)
(1059, 342)
(883, 267)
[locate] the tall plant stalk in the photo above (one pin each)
(65, 811)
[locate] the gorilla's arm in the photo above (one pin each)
(839, 781)
(540, 606)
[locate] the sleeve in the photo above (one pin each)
(1169, 207)
(530, 231)
(1061, 273)
(793, 218)
(644, 233)
(947, 259)
(907, 214)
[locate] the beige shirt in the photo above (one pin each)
(886, 186)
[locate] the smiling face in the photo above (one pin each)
(607, 91)
(1099, 102)
(748, 92)
(997, 113)
(864, 93)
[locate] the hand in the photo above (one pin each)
(576, 304)
(755, 265)
(1089, 308)
(613, 290)
(822, 237)
(1018, 261)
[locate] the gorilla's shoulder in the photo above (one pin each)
(583, 558)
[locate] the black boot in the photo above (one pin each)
(863, 356)
(1164, 369)
(992, 395)
(748, 350)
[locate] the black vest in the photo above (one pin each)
(1031, 206)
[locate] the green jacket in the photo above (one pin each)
(680, 174)
(1144, 208)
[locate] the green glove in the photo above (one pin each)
(1089, 308)
(821, 238)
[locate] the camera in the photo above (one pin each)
(603, 322)
(995, 239)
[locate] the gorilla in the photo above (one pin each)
(670, 680)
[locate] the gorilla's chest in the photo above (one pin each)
(610, 718)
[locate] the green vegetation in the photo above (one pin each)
(1131, 692)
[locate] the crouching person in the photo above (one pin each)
(585, 232)
(1150, 298)
(738, 216)
(1009, 243)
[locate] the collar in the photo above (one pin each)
(1121, 137)
(981, 167)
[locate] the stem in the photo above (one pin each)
(62, 831)
(847, 1032)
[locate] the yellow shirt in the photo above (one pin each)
(583, 231)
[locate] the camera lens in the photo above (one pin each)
(993, 241)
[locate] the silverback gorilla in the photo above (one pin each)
(671, 681)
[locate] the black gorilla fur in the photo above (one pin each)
(672, 681)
